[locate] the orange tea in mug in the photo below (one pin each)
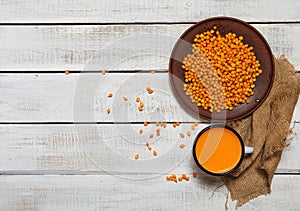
(219, 150)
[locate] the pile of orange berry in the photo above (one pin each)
(221, 71)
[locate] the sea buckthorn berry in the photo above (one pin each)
(188, 133)
(193, 127)
(149, 90)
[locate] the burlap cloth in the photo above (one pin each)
(266, 130)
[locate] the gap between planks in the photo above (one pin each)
(86, 72)
(133, 23)
(157, 71)
(278, 172)
(102, 123)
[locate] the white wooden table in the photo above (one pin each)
(49, 163)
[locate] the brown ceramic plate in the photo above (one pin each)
(252, 37)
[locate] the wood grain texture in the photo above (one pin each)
(83, 98)
(124, 47)
(105, 11)
(108, 149)
(113, 193)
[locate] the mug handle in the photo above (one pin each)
(249, 150)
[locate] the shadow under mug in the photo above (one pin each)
(243, 149)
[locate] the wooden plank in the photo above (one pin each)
(105, 11)
(108, 149)
(113, 193)
(124, 47)
(83, 98)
